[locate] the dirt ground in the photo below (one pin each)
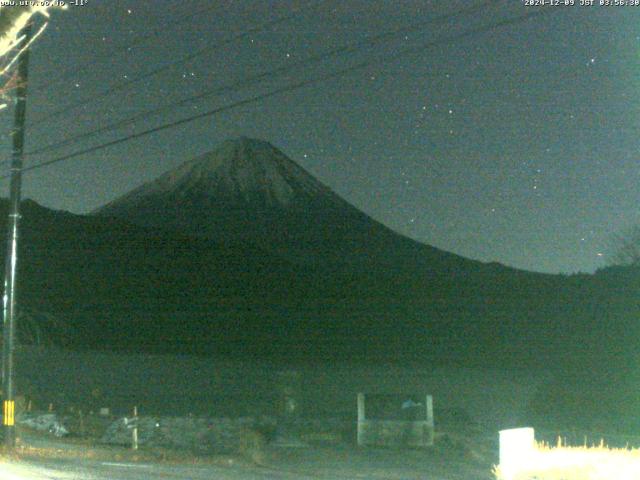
(455, 456)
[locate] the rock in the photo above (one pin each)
(211, 435)
(43, 422)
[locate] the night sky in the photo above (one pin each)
(518, 144)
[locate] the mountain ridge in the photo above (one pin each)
(107, 284)
(248, 190)
(372, 293)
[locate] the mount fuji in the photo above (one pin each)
(242, 252)
(248, 191)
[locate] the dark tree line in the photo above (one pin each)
(626, 248)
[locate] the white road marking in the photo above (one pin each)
(125, 465)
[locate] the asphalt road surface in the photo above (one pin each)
(65, 469)
(99, 470)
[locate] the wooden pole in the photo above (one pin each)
(11, 260)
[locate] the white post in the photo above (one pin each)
(517, 450)
(430, 425)
(429, 404)
(361, 407)
(134, 430)
(361, 417)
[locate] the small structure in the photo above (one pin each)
(395, 420)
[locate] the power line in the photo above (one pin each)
(138, 40)
(116, 87)
(290, 88)
(264, 75)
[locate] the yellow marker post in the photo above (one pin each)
(8, 413)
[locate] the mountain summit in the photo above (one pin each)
(247, 190)
(240, 171)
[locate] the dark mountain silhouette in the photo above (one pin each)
(179, 266)
(247, 190)
(114, 285)
(242, 253)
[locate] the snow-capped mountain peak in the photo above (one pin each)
(244, 169)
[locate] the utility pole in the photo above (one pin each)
(11, 261)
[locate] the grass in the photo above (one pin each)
(576, 463)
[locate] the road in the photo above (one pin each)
(99, 470)
(329, 462)
(82, 469)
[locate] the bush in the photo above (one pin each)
(253, 443)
